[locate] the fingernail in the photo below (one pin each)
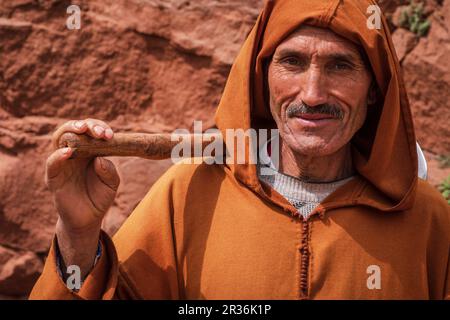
(109, 133)
(79, 124)
(98, 130)
(65, 150)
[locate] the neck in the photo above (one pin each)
(333, 167)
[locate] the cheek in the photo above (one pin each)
(353, 97)
(275, 86)
(360, 116)
(282, 92)
(355, 119)
(282, 84)
(275, 108)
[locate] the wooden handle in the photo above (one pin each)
(156, 146)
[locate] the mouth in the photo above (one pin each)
(315, 116)
(314, 120)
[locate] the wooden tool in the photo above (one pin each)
(155, 146)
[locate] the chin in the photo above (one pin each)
(311, 146)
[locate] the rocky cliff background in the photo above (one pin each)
(150, 66)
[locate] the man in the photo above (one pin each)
(343, 217)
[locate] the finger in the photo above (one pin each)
(55, 163)
(83, 126)
(99, 129)
(107, 173)
(75, 126)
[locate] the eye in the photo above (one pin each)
(341, 66)
(292, 61)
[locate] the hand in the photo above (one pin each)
(83, 190)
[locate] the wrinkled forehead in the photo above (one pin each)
(310, 38)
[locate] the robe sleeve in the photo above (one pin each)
(139, 263)
(99, 284)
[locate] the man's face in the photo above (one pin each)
(319, 89)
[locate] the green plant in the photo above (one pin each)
(412, 18)
(444, 188)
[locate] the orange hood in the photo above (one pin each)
(384, 149)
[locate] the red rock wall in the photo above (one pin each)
(149, 66)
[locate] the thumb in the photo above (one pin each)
(107, 173)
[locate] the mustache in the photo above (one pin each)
(333, 110)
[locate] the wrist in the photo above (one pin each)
(78, 248)
(78, 234)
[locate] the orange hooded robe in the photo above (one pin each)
(216, 232)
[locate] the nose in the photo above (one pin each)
(313, 88)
